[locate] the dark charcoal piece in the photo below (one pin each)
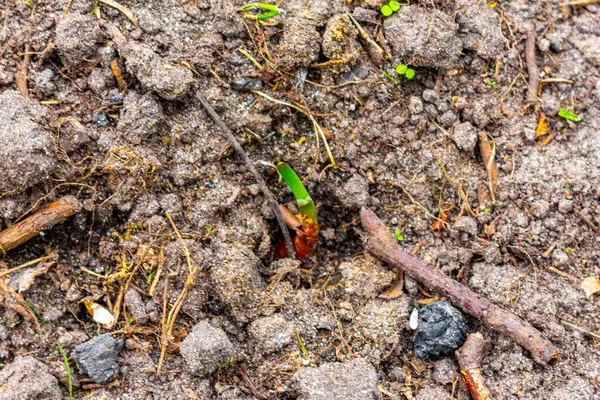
(442, 329)
(243, 84)
(98, 357)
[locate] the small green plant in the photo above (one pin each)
(390, 78)
(404, 70)
(568, 250)
(398, 235)
(68, 368)
(271, 11)
(390, 8)
(491, 83)
(571, 116)
(305, 202)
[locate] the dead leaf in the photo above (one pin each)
(542, 127)
(125, 10)
(426, 302)
(548, 139)
(438, 225)
(395, 289)
(28, 277)
(590, 285)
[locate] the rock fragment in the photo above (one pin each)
(205, 348)
(26, 149)
(430, 40)
(271, 333)
(141, 117)
(355, 192)
(136, 306)
(442, 329)
(465, 137)
(351, 380)
(28, 379)
(97, 358)
(77, 36)
(300, 45)
(480, 29)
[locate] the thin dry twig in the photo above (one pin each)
(14, 301)
(488, 153)
(21, 75)
(469, 357)
(53, 214)
(259, 179)
(382, 245)
(588, 222)
(532, 67)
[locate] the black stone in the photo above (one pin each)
(442, 329)
(98, 357)
(244, 83)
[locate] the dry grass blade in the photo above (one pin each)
(488, 153)
(125, 10)
(169, 323)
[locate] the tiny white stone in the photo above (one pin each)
(101, 315)
(414, 319)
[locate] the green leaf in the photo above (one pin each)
(305, 203)
(394, 5)
(568, 250)
(491, 83)
(410, 73)
(566, 114)
(398, 235)
(68, 368)
(401, 69)
(386, 10)
(262, 6)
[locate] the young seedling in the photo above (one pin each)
(306, 225)
(566, 114)
(402, 69)
(271, 11)
(386, 10)
(394, 5)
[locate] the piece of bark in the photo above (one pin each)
(469, 357)
(53, 214)
(382, 244)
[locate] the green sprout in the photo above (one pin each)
(391, 78)
(568, 250)
(305, 203)
(566, 114)
(398, 235)
(394, 5)
(271, 11)
(491, 83)
(410, 73)
(386, 10)
(401, 69)
(68, 368)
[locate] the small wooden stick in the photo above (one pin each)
(53, 214)
(21, 75)
(532, 68)
(382, 244)
(259, 179)
(469, 357)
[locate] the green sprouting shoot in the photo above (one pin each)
(394, 5)
(401, 69)
(398, 235)
(566, 114)
(386, 10)
(271, 11)
(36, 313)
(305, 203)
(491, 83)
(68, 368)
(410, 73)
(391, 78)
(568, 250)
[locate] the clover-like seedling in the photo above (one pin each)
(402, 69)
(394, 5)
(410, 73)
(386, 10)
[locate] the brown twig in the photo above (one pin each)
(382, 245)
(21, 75)
(259, 179)
(375, 52)
(469, 357)
(588, 222)
(53, 214)
(488, 153)
(532, 67)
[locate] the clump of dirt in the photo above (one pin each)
(177, 241)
